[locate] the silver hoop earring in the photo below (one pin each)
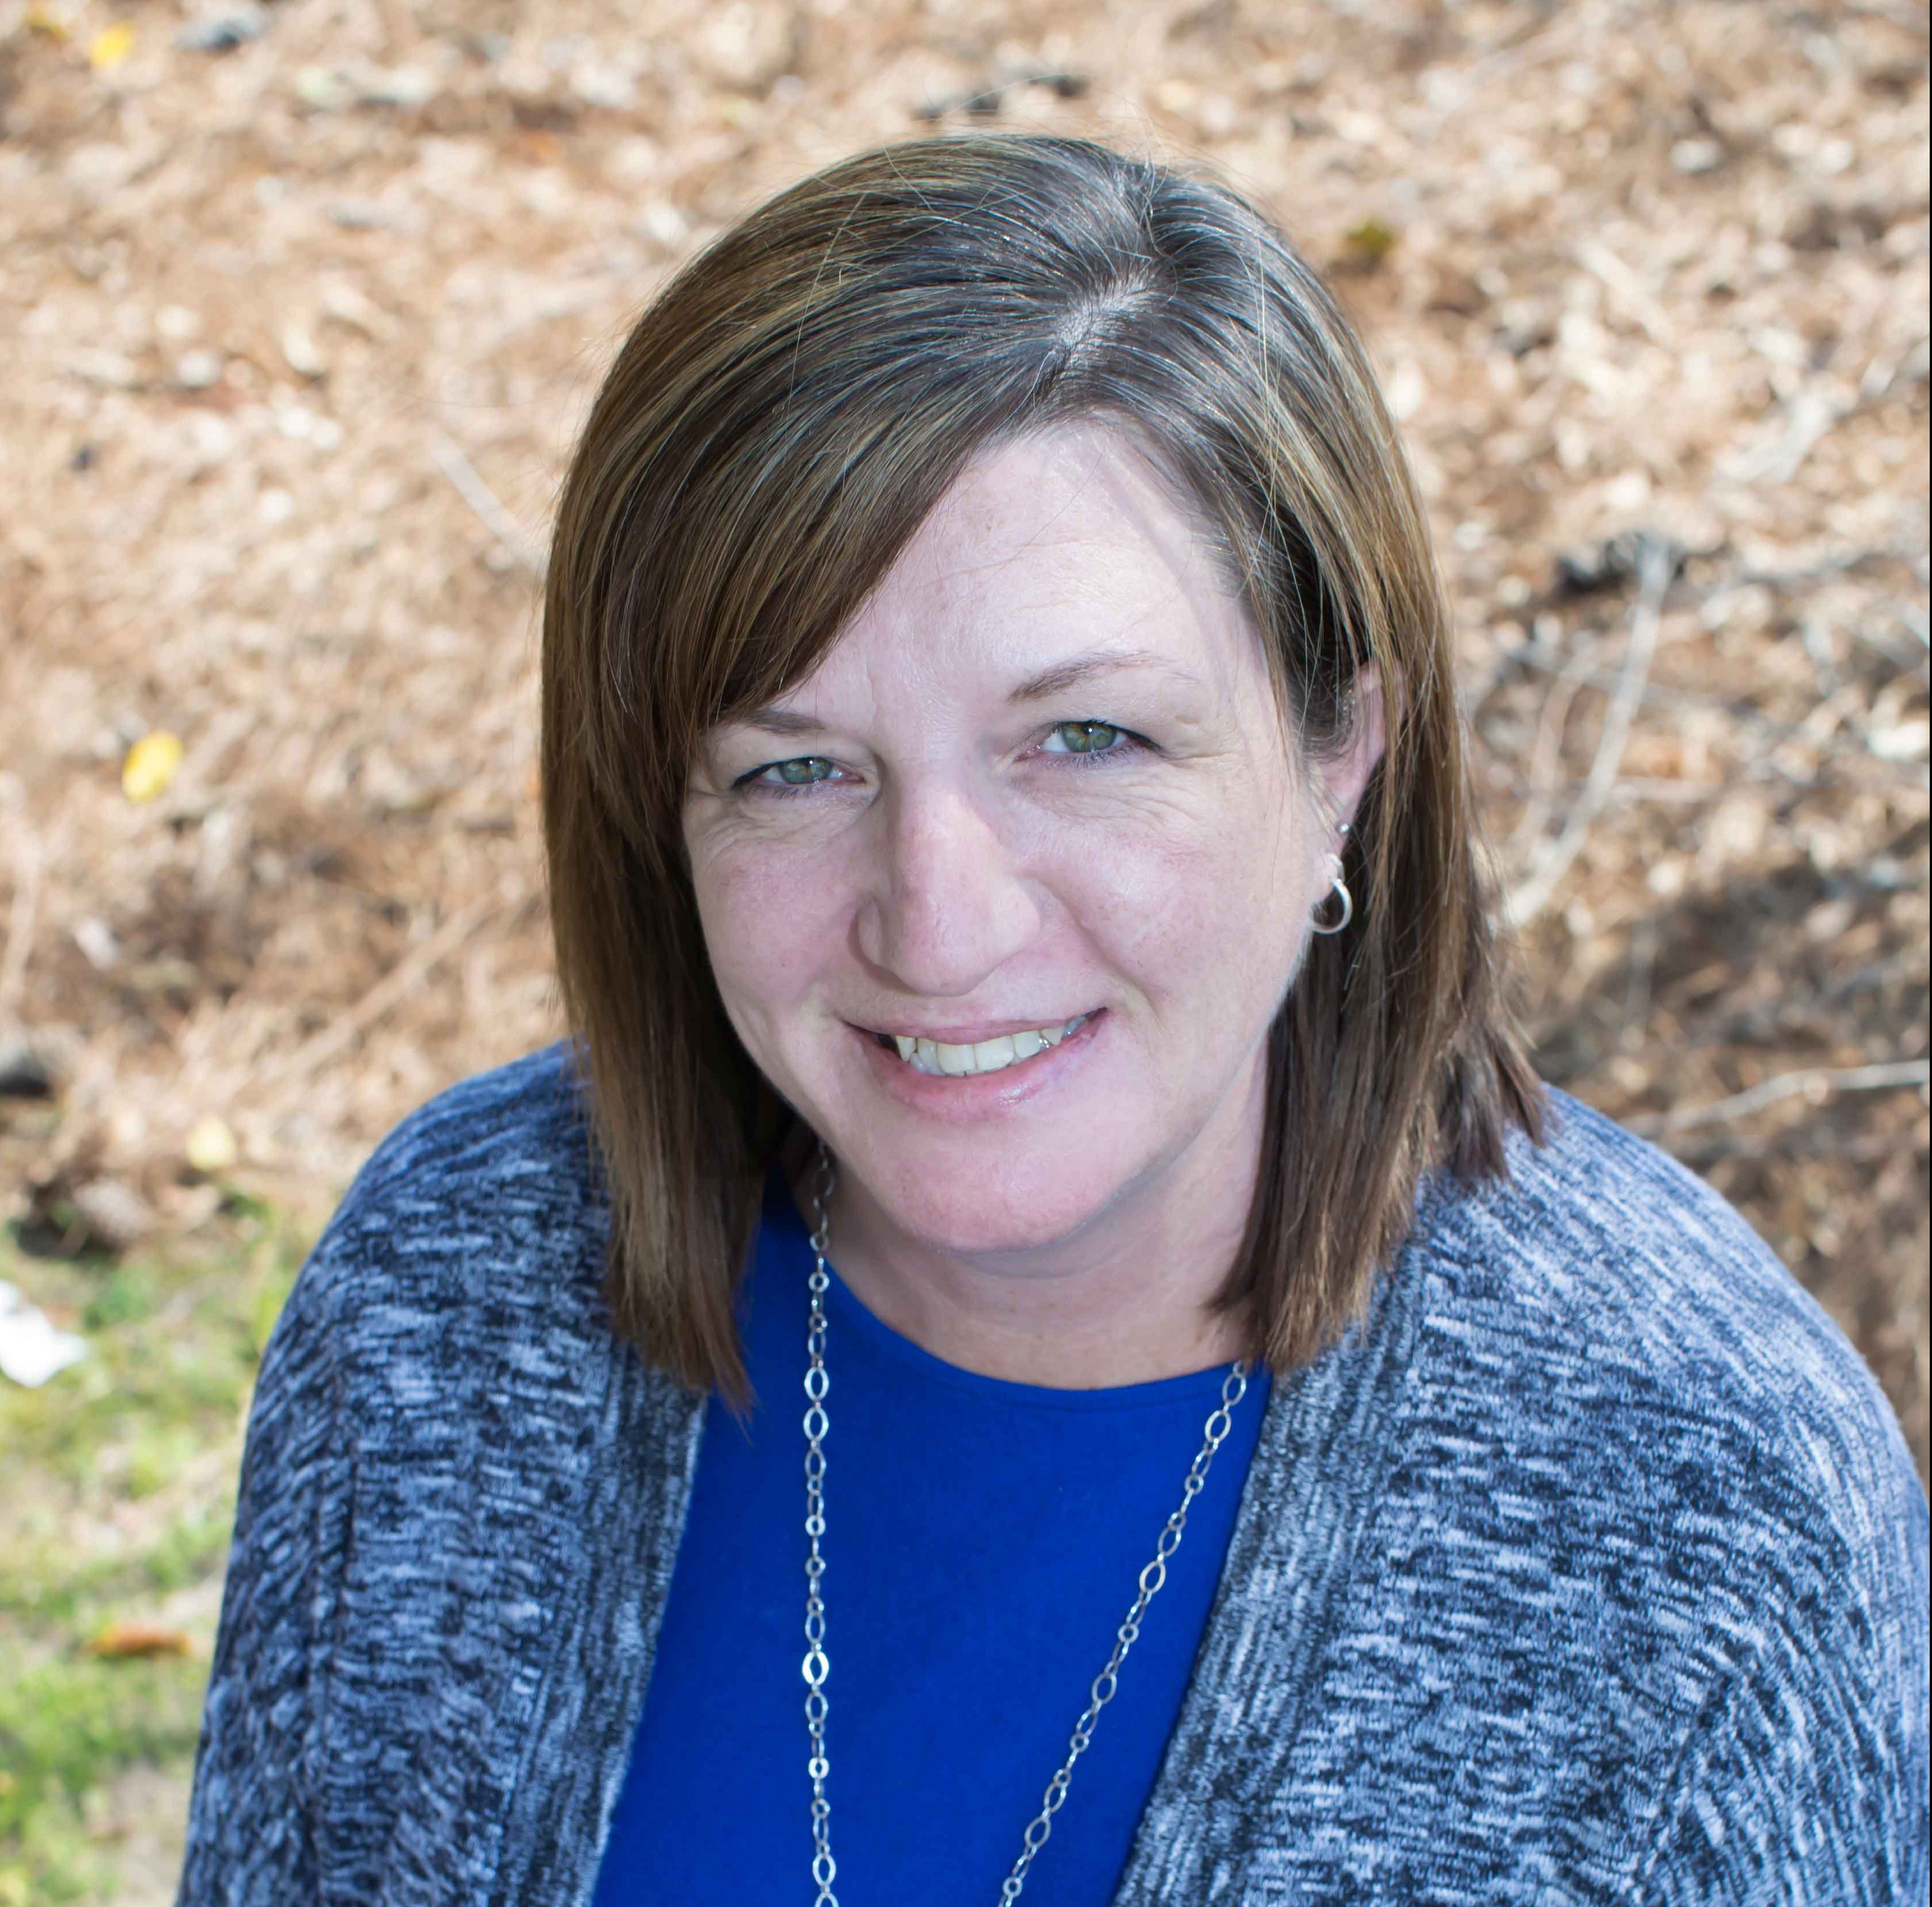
(1336, 885)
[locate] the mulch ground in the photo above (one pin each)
(299, 332)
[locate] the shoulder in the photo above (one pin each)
(1604, 1316)
(1639, 1488)
(516, 1140)
(1601, 1253)
(468, 1181)
(469, 1249)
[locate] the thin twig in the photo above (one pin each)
(1816, 1081)
(1546, 751)
(1533, 653)
(1808, 418)
(462, 473)
(1826, 567)
(406, 974)
(1655, 567)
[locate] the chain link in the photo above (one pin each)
(817, 1667)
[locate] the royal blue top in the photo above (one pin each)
(983, 1542)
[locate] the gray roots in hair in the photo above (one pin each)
(779, 424)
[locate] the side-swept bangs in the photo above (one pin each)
(779, 423)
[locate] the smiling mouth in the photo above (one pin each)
(941, 1059)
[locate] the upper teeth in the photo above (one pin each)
(986, 1055)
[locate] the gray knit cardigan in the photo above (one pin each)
(1591, 1567)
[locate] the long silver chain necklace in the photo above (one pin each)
(817, 1666)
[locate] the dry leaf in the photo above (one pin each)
(151, 765)
(110, 46)
(123, 1640)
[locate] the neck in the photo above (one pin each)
(1126, 1299)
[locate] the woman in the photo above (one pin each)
(1041, 1338)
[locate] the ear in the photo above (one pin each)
(1344, 775)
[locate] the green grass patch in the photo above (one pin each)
(116, 1499)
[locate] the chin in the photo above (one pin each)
(971, 1205)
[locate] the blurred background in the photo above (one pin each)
(302, 303)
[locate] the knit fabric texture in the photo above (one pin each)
(1590, 1566)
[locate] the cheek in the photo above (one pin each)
(1209, 912)
(771, 921)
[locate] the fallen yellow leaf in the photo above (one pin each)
(135, 1639)
(151, 765)
(110, 46)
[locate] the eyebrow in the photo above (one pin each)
(780, 721)
(771, 720)
(1078, 669)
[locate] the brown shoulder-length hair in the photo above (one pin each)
(779, 424)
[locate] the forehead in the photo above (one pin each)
(1052, 545)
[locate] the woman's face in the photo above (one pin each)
(1003, 898)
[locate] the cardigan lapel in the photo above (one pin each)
(608, 1577)
(1309, 1499)
(570, 1489)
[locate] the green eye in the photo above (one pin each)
(802, 771)
(1082, 738)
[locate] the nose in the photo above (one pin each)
(946, 905)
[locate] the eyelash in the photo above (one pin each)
(1128, 743)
